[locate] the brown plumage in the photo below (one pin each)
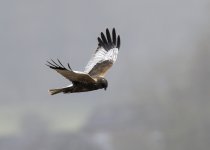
(93, 76)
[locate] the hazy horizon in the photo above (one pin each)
(158, 87)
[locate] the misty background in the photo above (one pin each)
(158, 96)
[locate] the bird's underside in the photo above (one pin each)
(74, 89)
(93, 76)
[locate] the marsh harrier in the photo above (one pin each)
(93, 76)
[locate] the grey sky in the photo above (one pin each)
(160, 40)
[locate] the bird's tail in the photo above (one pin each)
(55, 91)
(64, 90)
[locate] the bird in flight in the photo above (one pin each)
(92, 78)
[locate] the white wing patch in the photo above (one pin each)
(100, 56)
(112, 55)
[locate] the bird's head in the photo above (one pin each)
(103, 83)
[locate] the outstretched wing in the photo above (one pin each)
(105, 55)
(74, 76)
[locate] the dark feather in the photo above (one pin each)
(103, 38)
(106, 46)
(60, 63)
(54, 65)
(118, 42)
(51, 65)
(69, 66)
(114, 36)
(108, 36)
(100, 43)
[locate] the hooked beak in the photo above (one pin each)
(105, 88)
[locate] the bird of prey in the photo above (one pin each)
(93, 76)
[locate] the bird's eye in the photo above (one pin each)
(103, 80)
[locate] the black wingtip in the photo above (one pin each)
(109, 41)
(51, 65)
(60, 63)
(118, 42)
(114, 36)
(104, 38)
(69, 66)
(54, 65)
(100, 42)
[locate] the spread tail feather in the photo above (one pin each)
(64, 90)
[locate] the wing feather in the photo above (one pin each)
(105, 55)
(114, 36)
(104, 38)
(108, 36)
(100, 43)
(74, 76)
(118, 42)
